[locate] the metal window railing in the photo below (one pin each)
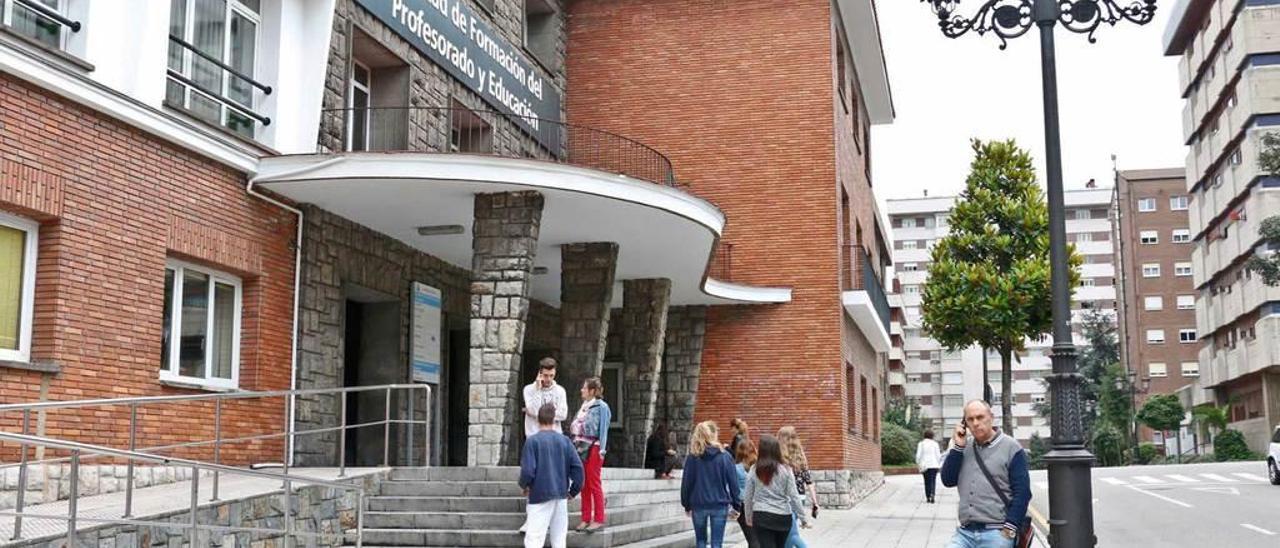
(48, 13)
(468, 131)
(860, 271)
(149, 453)
(218, 96)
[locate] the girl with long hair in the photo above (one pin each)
(793, 455)
(740, 432)
(771, 499)
(709, 486)
(590, 432)
(745, 458)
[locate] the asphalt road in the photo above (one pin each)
(1190, 505)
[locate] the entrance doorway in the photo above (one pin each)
(372, 357)
(458, 378)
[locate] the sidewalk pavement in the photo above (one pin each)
(895, 515)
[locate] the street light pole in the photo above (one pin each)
(1070, 485)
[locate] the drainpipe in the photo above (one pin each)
(297, 285)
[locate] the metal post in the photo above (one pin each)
(195, 501)
(133, 446)
(1070, 485)
(409, 446)
(73, 497)
(288, 435)
(217, 444)
(342, 436)
(426, 429)
(360, 519)
(288, 520)
(22, 477)
(386, 432)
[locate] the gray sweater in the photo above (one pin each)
(979, 502)
(779, 497)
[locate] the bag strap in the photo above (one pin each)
(982, 465)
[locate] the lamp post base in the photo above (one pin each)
(1070, 498)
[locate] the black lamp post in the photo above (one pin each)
(1070, 487)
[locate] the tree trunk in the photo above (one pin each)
(1006, 389)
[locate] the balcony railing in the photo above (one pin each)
(865, 279)
(196, 74)
(467, 131)
(37, 21)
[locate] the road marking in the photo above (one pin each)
(1161, 497)
(1043, 485)
(1222, 490)
(1147, 479)
(1216, 477)
(1258, 529)
(1183, 479)
(1250, 477)
(1115, 481)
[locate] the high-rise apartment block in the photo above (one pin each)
(1229, 76)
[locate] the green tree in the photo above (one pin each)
(1230, 445)
(897, 445)
(1036, 450)
(1211, 418)
(1268, 266)
(1108, 445)
(989, 277)
(1115, 406)
(1164, 412)
(905, 413)
(1100, 349)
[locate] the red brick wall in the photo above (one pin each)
(739, 95)
(113, 203)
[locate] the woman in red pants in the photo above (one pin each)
(590, 430)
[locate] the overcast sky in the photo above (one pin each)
(1118, 96)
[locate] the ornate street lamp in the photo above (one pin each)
(1070, 487)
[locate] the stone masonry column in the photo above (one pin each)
(504, 241)
(586, 291)
(681, 368)
(644, 325)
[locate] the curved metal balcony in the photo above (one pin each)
(467, 131)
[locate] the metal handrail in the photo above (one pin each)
(50, 14)
(556, 141)
(78, 449)
(288, 435)
(249, 79)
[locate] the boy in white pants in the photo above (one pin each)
(551, 475)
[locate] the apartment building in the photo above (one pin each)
(204, 196)
(1157, 300)
(1229, 76)
(940, 380)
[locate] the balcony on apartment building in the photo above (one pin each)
(864, 297)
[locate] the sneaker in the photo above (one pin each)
(523, 527)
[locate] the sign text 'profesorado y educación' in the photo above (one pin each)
(450, 33)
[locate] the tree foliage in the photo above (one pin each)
(1115, 406)
(1268, 265)
(1230, 445)
(897, 445)
(904, 413)
(1211, 418)
(989, 280)
(1162, 412)
(1036, 450)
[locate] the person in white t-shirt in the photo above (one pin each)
(542, 391)
(929, 460)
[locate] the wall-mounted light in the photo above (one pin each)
(539, 270)
(441, 230)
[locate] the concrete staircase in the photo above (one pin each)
(477, 506)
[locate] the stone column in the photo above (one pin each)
(681, 367)
(586, 291)
(644, 324)
(504, 241)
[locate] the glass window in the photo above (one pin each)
(1191, 369)
(1151, 270)
(1181, 269)
(1083, 214)
(1146, 204)
(1149, 237)
(611, 378)
(226, 32)
(17, 286)
(1181, 236)
(1153, 303)
(1084, 237)
(952, 378)
(358, 107)
(1155, 336)
(1186, 302)
(201, 326)
(1186, 336)
(1177, 203)
(34, 25)
(1157, 369)
(908, 222)
(909, 244)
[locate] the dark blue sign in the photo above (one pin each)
(451, 34)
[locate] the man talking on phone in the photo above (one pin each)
(989, 469)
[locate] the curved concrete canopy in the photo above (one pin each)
(661, 232)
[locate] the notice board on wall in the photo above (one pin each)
(424, 336)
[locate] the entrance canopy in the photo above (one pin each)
(661, 232)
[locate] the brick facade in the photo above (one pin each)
(772, 151)
(113, 204)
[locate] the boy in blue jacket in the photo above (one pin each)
(550, 474)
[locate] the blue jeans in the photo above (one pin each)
(793, 539)
(990, 538)
(715, 517)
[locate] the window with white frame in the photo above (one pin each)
(1191, 369)
(1084, 237)
(358, 94)
(1083, 214)
(201, 335)
(611, 379)
(1146, 205)
(1153, 303)
(1181, 269)
(1186, 336)
(1151, 270)
(1087, 282)
(1186, 302)
(909, 244)
(1181, 236)
(1149, 237)
(17, 285)
(1157, 369)
(1178, 203)
(913, 378)
(1037, 398)
(952, 378)
(207, 37)
(911, 289)
(908, 222)
(1155, 336)
(910, 267)
(29, 23)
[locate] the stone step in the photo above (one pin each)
(498, 521)
(411, 503)
(684, 539)
(499, 473)
(487, 488)
(618, 535)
